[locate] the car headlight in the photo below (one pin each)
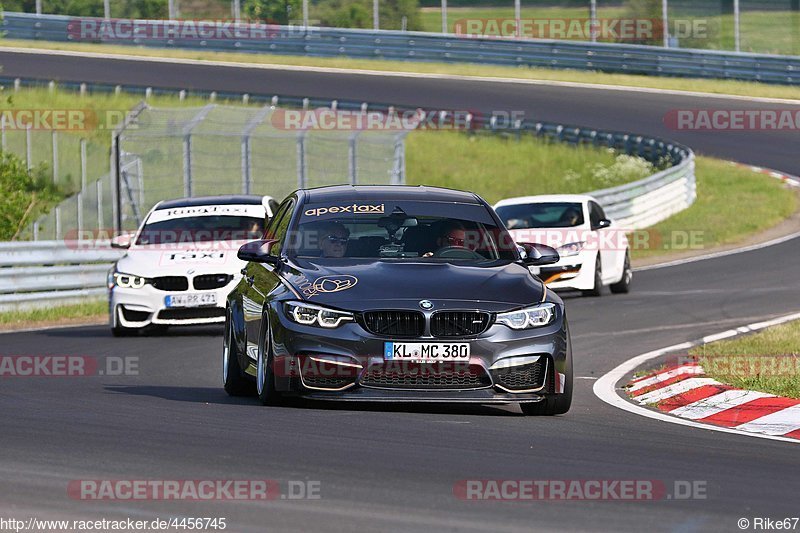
(572, 248)
(315, 315)
(125, 281)
(529, 317)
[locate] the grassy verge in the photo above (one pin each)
(732, 204)
(747, 89)
(498, 168)
(90, 311)
(767, 361)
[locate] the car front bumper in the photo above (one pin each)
(139, 308)
(352, 358)
(571, 272)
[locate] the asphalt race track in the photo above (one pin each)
(394, 468)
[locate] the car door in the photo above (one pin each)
(261, 279)
(609, 256)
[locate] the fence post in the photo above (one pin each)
(54, 134)
(80, 216)
(301, 160)
(36, 230)
(116, 214)
(3, 132)
(246, 163)
(187, 147)
(398, 176)
(28, 158)
(83, 164)
(58, 221)
(187, 165)
(352, 160)
(100, 220)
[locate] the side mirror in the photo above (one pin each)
(123, 241)
(258, 252)
(602, 223)
(539, 254)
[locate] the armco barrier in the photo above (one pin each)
(76, 273)
(420, 46)
(45, 273)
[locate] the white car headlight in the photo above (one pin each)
(315, 315)
(529, 317)
(570, 249)
(126, 281)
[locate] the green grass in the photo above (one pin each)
(92, 309)
(498, 168)
(732, 204)
(766, 32)
(431, 18)
(768, 361)
(748, 89)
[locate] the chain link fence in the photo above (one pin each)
(165, 153)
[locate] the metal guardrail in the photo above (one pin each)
(45, 273)
(79, 273)
(421, 46)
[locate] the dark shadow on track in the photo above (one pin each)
(103, 332)
(214, 395)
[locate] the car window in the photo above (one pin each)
(596, 214)
(402, 230)
(276, 219)
(281, 226)
(541, 215)
(209, 223)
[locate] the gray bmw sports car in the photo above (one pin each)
(396, 294)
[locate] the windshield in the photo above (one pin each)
(201, 229)
(541, 215)
(434, 231)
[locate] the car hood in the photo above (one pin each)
(153, 261)
(347, 284)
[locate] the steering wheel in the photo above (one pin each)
(456, 252)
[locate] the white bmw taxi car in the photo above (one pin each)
(181, 263)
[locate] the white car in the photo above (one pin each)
(181, 263)
(594, 252)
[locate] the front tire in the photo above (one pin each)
(265, 377)
(233, 379)
(555, 404)
(623, 286)
(597, 290)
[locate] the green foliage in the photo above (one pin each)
(358, 14)
(273, 11)
(24, 194)
(93, 8)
